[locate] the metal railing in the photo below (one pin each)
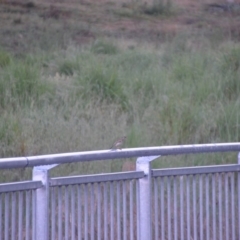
(197, 202)
(17, 209)
(178, 203)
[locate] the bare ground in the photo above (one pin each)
(27, 25)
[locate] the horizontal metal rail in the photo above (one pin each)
(195, 170)
(20, 186)
(61, 181)
(124, 153)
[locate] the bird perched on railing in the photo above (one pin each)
(118, 143)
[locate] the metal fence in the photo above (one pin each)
(17, 210)
(180, 203)
(95, 206)
(197, 203)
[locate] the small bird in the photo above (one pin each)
(118, 143)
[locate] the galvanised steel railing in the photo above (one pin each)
(181, 203)
(197, 202)
(101, 206)
(17, 209)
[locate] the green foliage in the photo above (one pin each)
(231, 60)
(159, 7)
(103, 83)
(228, 122)
(175, 94)
(26, 82)
(20, 84)
(230, 68)
(136, 61)
(67, 67)
(4, 59)
(104, 47)
(9, 132)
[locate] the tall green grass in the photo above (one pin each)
(84, 98)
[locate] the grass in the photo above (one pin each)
(5, 59)
(141, 10)
(78, 99)
(159, 8)
(59, 95)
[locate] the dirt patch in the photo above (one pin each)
(23, 23)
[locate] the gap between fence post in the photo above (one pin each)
(145, 198)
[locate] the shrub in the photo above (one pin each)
(67, 67)
(104, 47)
(159, 7)
(104, 84)
(21, 84)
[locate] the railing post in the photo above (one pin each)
(238, 192)
(145, 198)
(41, 173)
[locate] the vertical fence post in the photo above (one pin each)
(42, 197)
(238, 192)
(41, 216)
(145, 198)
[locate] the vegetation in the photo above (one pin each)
(159, 7)
(66, 97)
(156, 97)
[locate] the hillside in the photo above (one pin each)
(27, 25)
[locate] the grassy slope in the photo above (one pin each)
(61, 96)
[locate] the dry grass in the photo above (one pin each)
(108, 75)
